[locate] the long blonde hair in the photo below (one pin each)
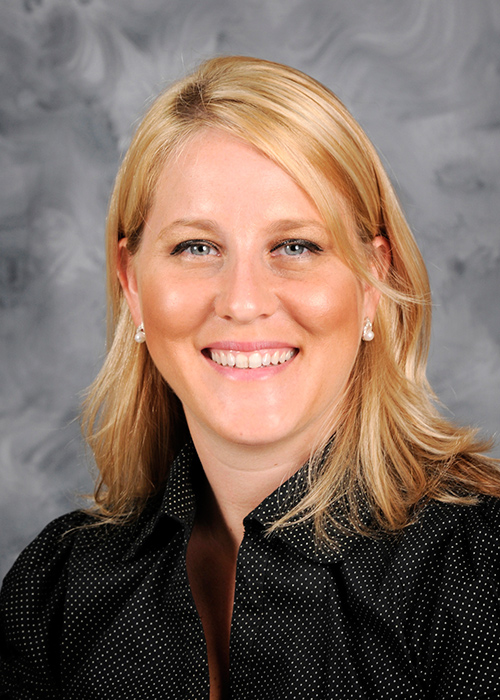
(392, 449)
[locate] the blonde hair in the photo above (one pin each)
(392, 449)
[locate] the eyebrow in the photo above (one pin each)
(279, 226)
(286, 225)
(202, 224)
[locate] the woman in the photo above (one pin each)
(281, 512)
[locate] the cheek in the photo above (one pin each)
(171, 310)
(332, 311)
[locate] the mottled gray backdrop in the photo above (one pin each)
(422, 76)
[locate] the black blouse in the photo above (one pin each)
(107, 612)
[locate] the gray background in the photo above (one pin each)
(422, 76)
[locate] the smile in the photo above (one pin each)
(251, 360)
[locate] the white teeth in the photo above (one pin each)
(241, 361)
(255, 360)
(252, 361)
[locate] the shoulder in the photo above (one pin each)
(450, 544)
(454, 579)
(49, 549)
(71, 544)
(31, 601)
(435, 588)
(462, 545)
(438, 528)
(35, 593)
(444, 566)
(447, 527)
(37, 577)
(72, 540)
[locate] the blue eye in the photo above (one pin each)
(294, 248)
(198, 249)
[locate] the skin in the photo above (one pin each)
(235, 257)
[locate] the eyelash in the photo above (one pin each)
(308, 245)
(185, 245)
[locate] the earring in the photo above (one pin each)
(140, 336)
(368, 333)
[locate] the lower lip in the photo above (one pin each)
(248, 375)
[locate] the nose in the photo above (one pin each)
(246, 292)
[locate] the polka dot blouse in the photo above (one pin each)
(108, 613)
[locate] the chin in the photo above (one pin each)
(261, 436)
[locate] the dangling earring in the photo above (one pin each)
(368, 333)
(140, 336)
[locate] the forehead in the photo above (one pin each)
(215, 175)
(214, 170)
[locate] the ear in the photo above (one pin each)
(382, 257)
(128, 279)
(379, 269)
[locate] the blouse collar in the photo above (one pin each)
(178, 506)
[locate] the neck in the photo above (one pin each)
(237, 479)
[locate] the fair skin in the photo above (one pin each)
(236, 268)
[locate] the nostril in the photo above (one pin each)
(245, 299)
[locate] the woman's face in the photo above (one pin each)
(249, 314)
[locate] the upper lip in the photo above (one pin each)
(237, 346)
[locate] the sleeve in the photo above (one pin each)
(31, 605)
(464, 648)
